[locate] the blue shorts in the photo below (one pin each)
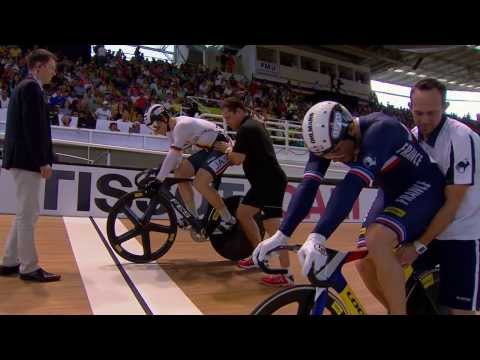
(215, 162)
(409, 213)
(459, 262)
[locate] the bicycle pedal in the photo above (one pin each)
(183, 225)
(198, 236)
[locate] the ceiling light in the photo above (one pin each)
(442, 80)
(452, 82)
(422, 75)
(411, 73)
(398, 70)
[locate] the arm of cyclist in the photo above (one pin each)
(171, 161)
(312, 254)
(180, 134)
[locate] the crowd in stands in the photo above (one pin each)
(110, 87)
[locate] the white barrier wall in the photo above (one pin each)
(76, 190)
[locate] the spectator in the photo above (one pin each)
(4, 99)
(53, 115)
(134, 128)
(223, 61)
(231, 64)
(86, 120)
(113, 127)
(66, 120)
(58, 99)
(126, 116)
(101, 54)
(65, 110)
(103, 113)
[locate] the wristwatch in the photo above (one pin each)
(419, 247)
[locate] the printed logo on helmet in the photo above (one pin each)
(310, 128)
(337, 125)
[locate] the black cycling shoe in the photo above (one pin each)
(224, 227)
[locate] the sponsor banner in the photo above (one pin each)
(76, 190)
(267, 67)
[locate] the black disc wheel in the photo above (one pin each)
(232, 245)
(141, 227)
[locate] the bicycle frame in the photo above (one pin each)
(353, 306)
(334, 278)
(165, 192)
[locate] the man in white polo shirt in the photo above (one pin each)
(456, 148)
(456, 226)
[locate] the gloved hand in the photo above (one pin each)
(259, 254)
(313, 254)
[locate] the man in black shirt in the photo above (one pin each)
(254, 149)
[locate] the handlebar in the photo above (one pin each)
(345, 258)
(264, 267)
(144, 178)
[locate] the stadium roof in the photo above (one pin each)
(458, 66)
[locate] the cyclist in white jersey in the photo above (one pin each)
(206, 164)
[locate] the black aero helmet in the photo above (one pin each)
(189, 107)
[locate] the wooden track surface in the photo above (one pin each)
(216, 286)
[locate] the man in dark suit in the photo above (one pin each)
(28, 154)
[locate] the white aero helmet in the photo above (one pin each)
(155, 113)
(325, 124)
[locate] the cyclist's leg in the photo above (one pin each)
(377, 207)
(381, 242)
(366, 269)
(212, 167)
(202, 183)
(188, 168)
(365, 266)
(403, 220)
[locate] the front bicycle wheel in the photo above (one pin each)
(141, 227)
(299, 300)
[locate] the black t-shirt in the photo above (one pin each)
(261, 166)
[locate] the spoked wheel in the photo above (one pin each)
(298, 300)
(151, 227)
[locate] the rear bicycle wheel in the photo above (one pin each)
(232, 245)
(299, 300)
(151, 227)
(422, 293)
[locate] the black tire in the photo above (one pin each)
(304, 296)
(422, 293)
(141, 228)
(232, 245)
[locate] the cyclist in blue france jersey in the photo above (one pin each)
(377, 148)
